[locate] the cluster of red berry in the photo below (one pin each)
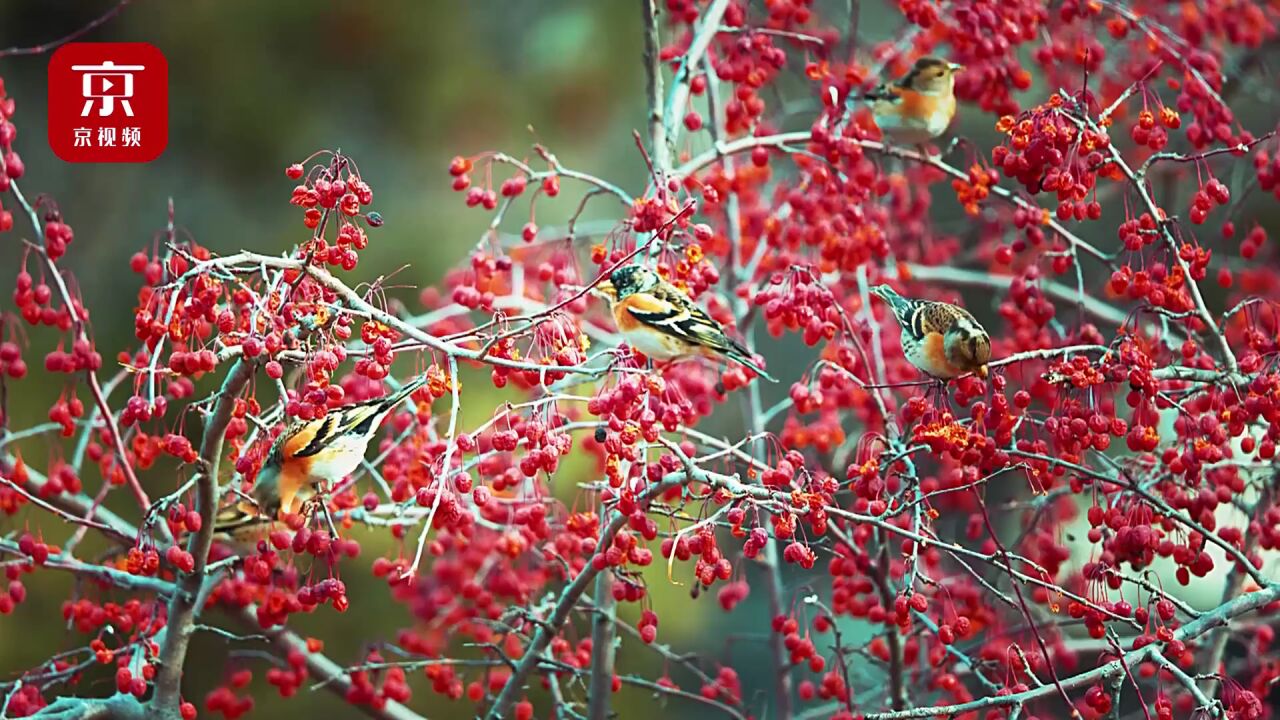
(224, 700)
(35, 304)
(11, 165)
(1047, 152)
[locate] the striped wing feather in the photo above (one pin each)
(936, 317)
(670, 311)
(885, 92)
(357, 419)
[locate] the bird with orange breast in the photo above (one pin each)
(940, 339)
(307, 456)
(918, 107)
(662, 322)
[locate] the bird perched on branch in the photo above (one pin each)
(308, 455)
(942, 340)
(918, 107)
(662, 322)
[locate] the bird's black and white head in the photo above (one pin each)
(631, 279)
(932, 75)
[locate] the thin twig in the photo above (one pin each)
(46, 47)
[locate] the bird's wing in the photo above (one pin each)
(672, 312)
(916, 317)
(884, 92)
(314, 436)
(935, 317)
(275, 456)
(355, 419)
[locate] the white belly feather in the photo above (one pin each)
(658, 346)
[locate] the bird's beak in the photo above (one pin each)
(955, 67)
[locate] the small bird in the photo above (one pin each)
(662, 322)
(942, 340)
(307, 455)
(918, 107)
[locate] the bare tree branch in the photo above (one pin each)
(182, 608)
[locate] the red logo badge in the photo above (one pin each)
(108, 102)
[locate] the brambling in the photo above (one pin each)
(918, 107)
(662, 322)
(942, 340)
(308, 455)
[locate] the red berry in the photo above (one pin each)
(459, 166)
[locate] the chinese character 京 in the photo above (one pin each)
(107, 83)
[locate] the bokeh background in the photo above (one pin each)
(401, 86)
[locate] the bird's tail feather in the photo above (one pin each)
(364, 418)
(233, 521)
(245, 525)
(901, 306)
(405, 391)
(745, 360)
